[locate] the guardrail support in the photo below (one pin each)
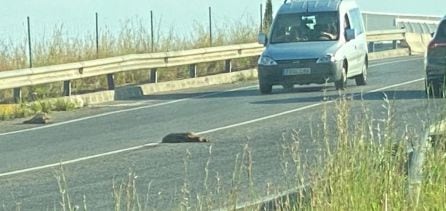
(111, 81)
(416, 158)
(193, 70)
(394, 44)
(371, 47)
(67, 88)
(228, 66)
(153, 75)
(17, 95)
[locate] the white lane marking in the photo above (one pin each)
(77, 160)
(263, 118)
(394, 62)
(203, 132)
(120, 111)
(199, 133)
(117, 105)
(396, 85)
(160, 104)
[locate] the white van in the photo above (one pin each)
(314, 41)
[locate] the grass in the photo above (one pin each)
(24, 109)
(362, 164)
(363, 167)
(133, 37)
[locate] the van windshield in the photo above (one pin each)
(305, 27)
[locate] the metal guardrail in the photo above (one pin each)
(413, 23)
(394, 35)
(386, 35)
(15, 79)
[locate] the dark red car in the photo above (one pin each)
(435, 62)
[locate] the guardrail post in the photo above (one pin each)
(371, 47)
(153, 75)
(228, 66)
(17, 95)
(67, 88)
(111, 81)
(193, 70)
(416, 158)
(394, 44)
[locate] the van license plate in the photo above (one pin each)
(297, 71)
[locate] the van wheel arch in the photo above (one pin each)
(361, 79)
(342, 82)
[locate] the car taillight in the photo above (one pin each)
(434, 44)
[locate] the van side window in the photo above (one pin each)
(441, 33)
(356, 21)
(347, 25)
(346, 22)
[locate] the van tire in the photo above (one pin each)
(265, 87)
(342, 82)
(361, 80)
(434, 90)
(288, 86)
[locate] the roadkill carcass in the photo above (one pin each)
(183, 138)
(39, 118)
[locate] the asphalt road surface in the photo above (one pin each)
(248, 132)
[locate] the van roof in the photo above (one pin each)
(310, 6)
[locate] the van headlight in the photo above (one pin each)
(267, 61)
(329, 58)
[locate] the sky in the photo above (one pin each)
(78, 16)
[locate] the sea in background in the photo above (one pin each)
(77, 17)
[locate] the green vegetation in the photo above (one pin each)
(357, 170)
(134, 37)
(267, 17)
(351, 166)
(24, 109)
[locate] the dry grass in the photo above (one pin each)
(133, 37)
(359, 167)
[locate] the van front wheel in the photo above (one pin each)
(361, 80)
(342, 82)
(265, 87)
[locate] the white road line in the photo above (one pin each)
(78, 160)
(158, 105)
(120, 111)
(396, 85)
(203, 132)
(394, 62)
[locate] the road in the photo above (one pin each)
(101, 145)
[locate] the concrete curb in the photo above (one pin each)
(135, 91)
(199, 82)
(83, 100)
(389, 54)
(418, 42)
(129, 92)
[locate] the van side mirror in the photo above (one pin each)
(350, 34)
(262, 39)
(432, 34)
